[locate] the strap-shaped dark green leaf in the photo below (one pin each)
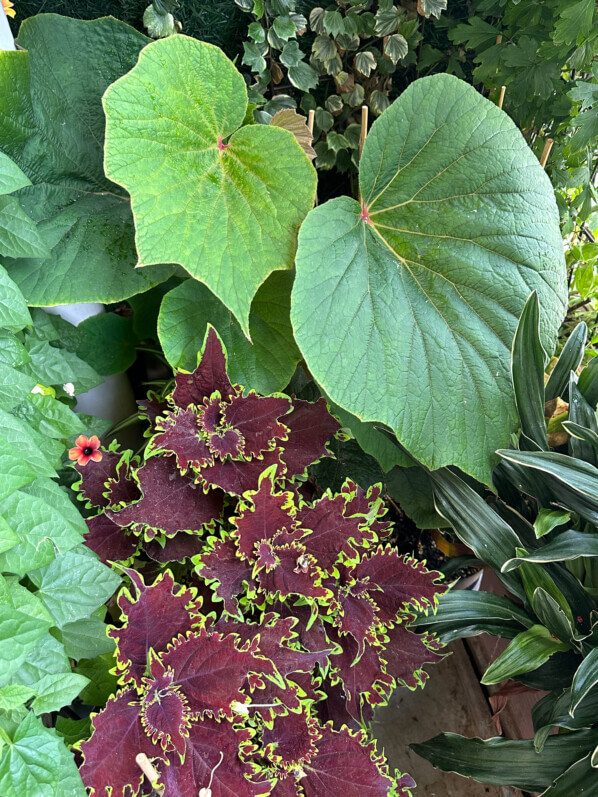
(549, 519)
(405, 306)
(552, 615)
(465, 613)
(585, 679)
(224, 201)
(588, 382)
(486, 533)
(581, 414)
(528, 362)
(526, 652)
(580, 778)
(568, 361)
(553, 710)
(567, 546)
(574, 482)
(506, 762)
(582, 432)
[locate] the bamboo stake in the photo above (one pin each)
(364, 128)
(546, 152)
(310, 122)
(145, 765)
(501, 99)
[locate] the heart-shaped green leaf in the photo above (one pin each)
(266, 365)
(223, 202)
(405, 308)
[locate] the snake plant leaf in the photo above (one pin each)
(52, 127)
(405, 307)
(223, 201)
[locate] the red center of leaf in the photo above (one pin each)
(222, 146)
(365, 214)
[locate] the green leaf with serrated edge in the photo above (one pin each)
(56, 691)
(14, 314)
(18, 634)
(266, 364)
(528, 362)
(12, 696)
(463, 614)
(74, 585)
(8, 538)
(53, 127)
(107, 343)
(15, 594)
(14, 469)
(526, 652)
(565, 547)
(53, 366)
(86, 639)
(506, 762)
(11, 177)
(46, 658)
(584, 679)
(46, 523)
(491, 539)
(30, 765)
(397, 318)
(19, 236)
(549, 519)
(38, 451)
(49, 417)
(433, 7)
(237, 205)
(14, 386)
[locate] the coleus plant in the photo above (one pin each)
(258, 673)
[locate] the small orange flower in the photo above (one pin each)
(8, 8)
(86, 449)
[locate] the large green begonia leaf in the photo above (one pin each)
(52, 126)
(405, 308)
(223, 201)
(266, 364)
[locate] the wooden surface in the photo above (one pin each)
(452, 700)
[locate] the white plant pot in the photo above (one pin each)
(114, 398)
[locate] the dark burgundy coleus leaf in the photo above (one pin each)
(310, 427)
(287, 569)
(345, 765)
(331, 533)
(228, 575)
(94, 476)
(357, 614)
(109, 768)
(173, 549)
(123, 488)
(237, 476)
(256, 418)
(363, 678)
(265, 515)
(152, 408)
(396, 582)
(367, 504)
(212, 747)
(310, 630)
(165, 714)
(209, 376)
(111, 542)
(209, 670)
(334, 708)
(291, 738)
(151, 621)
(405, 655)
(178, 433)
(170, 502)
